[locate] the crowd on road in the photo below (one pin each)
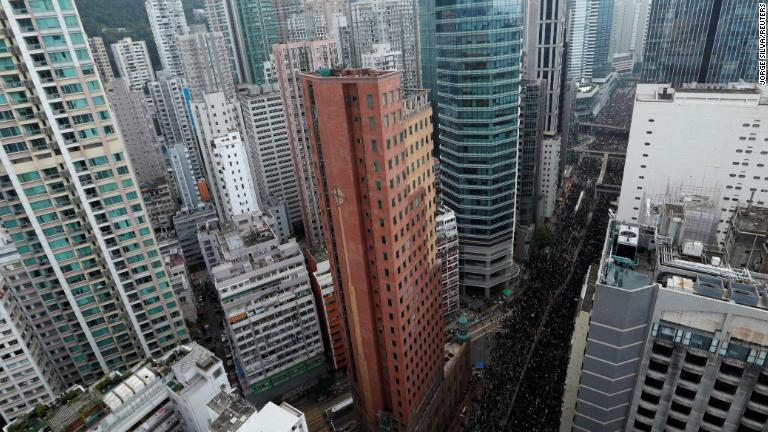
(618, 110)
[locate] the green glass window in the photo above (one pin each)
(47, 23)
(42, 204)
(10, 132)
(56, 40)
(29, 176)
(15, 147)
(109, 187)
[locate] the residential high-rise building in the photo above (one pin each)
(269, 152)
(100, 57)
(137, 130)
(170, 108)
(382, 57)
(167, 20)
(219, 126)
(372, 152)
(545, 40)
(478, 83)
(221, 18)
(28, 373)
(285, 11)
(704, 41)
(290, 60)
(307, 25)
(205, 61)
(589, 39)
(74, 210)
(257, 31)
(133, 62)
(725, 124)
(448, 254)
(674, 339)
(185, 224)
(549, 173)
(269, 310)
(533, 95)
(393, 22)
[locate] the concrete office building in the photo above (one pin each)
(533, 115)
(704, 41)
(448, 254)
(137, 130)
(205, 61)
(393, 269)
(548, 177)
(328, 299)
(675, 339)
(177, 269)
(382, 57)
(161, 206)
(545, 51)
(133, 62)
(727, 127)
(86, 243)
(269, 149)
(100, 57)
(478, 111)
(307, 25)
(221, 19)
(183, 178)
(392, 22)
(186, 390)
(290, 60)
(27, 369)
(270, 314)
(167, 20)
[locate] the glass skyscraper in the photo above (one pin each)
(257, 31)
(706, 41)
(478, 49)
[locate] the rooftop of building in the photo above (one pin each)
(741, 91)
(232, 412)
(752, 220)
(81, 409)
(351, 73)
(636, 256)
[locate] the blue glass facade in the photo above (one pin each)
(258, 31)
(477, 54)
(707, 41)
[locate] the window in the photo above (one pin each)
(372, 122)
(369, 99)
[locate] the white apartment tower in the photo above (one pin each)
(548, 176)
(205, 60)
(166, 17)
(448, 254)
(265, 291)
(269, 148)
(133, 63)
(70, 201)
(100, 57)
(292, 59)
(706, 139)
(26, 368)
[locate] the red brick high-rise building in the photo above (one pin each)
(372, 150)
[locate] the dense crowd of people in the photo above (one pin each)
(522, 387)
(618, 110)
(608, 143)
(614, 172)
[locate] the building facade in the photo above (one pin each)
(532, 117)
(589, 39)
(549, 172)
(257, 31)
(100, 57)
(28, 373)
(270, 314)
(392, 22)
(364, 125)
(222, 19)
(448, 254)
(137, 131)
(167, 20)
(329, 304)
(133, 62)
(723, 123)
(269, 151)
(545, 54)
(479, 134)
(707, 41)
(87, 244)
(673, 342)
(291, 59)
(205, 61)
